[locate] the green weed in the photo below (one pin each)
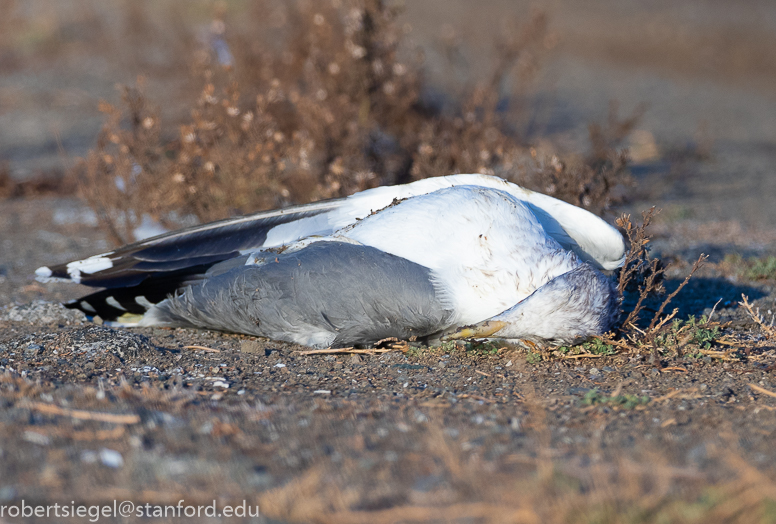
(756, 268)
(625, 401)
(534, 357)
(691, 331)
(598, 346)
(418, 351)
(448, 347)
(485, 347)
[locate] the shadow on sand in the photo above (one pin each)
(699, 296)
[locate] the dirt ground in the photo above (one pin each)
(95, 415)
(456, 434)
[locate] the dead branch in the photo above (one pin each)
(695, 267)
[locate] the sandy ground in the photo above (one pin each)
(91, 415)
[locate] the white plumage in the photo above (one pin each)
(481, 264)
(485, 248)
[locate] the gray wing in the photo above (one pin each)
(155, 267)
(327, 294)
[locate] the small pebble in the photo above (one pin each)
(111, 458)
(36, 438)
(31, 350)
(250, 346)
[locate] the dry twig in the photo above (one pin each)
(767, 329)
(202, 348)
(695, 267)
(764, 391)
(80, 414)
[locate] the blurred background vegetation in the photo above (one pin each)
(191, 111)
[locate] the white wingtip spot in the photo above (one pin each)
(111, 301)
(89, 266)
(43, 274)
(87, 307)
(75, 274)
(143, 301)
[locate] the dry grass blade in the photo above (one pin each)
(203, 348)
(721, 355)
(767, 329)
(554, 491)
(764, 391)
(80, 414)
(678, 394)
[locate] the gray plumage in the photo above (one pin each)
(326, 294)
(568, 309)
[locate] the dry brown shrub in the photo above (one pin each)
(640, 271)
(312, 103)
(44, 183)
(121, 178)
(642, 274)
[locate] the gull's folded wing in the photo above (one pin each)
(145, 272)
(201, 245)
(140, 274)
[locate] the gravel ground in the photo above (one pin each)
(92, 414)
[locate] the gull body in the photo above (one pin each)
(424, 259)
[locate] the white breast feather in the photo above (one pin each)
(501, 252)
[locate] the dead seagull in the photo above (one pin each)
(462, 256)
